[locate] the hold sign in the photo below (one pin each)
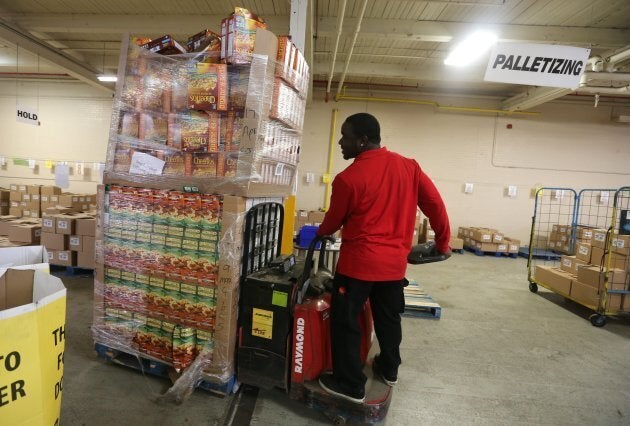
(537, 64)
(27, 115)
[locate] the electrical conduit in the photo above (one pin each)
(342, 11)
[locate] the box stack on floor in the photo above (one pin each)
(69, 239)
(456, 243)
(199, 135)
(582, 275)
(488, 240)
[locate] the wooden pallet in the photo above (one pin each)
(157, 368)
(420, 304)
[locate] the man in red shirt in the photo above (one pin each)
(374, 200)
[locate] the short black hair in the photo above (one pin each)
(364, 124)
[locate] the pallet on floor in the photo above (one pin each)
(478, 252)
(539, 254)
(460, 251)
(420, 304)
(70, 270)
(157, 368)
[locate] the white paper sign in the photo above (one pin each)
(78, 167)
(512, 191)
(25, 114)
(145, 164)
(31, 164)
(604, 196)
(3, 161)
(468, 188)
(62, 175)
(537, 64)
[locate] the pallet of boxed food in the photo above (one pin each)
(583, 277)
(484, 241)
(69, 239)
(225, 121)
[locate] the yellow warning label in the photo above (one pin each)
(262, 323)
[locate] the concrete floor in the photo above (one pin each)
(499, 355)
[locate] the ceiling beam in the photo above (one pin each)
(413, 72)
(133, 24)
(77, 70)
(408, 29)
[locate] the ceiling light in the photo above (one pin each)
(107, 78)
(471, 48)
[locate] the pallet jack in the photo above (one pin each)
(284, 322)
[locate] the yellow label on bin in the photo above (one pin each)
(262, 323)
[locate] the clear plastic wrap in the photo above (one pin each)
(167, 279)
(190, 120)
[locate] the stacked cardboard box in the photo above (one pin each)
(582, 276)
(425, 233)
(488, 240)
(34, 200)
(562, 238)
(5, 196)
(16, 231)
(69, 239)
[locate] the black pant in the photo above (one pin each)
(388, 302)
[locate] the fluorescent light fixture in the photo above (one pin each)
(471, 48)
(107, 78)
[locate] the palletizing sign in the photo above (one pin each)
(537, 64)
(28, 115)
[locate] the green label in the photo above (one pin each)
(20, 162)
(279, 298)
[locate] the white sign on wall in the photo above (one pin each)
(25, 114)
(537, 64)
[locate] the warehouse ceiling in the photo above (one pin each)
(399, 45)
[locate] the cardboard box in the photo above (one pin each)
(25, 233)
(513, 244)
(86, 258)
(594, 276)
(85, 226)
(456, 243)
(621, 244)
(75, 242)
(483, 236)
(15, 196)
(15, 211)
(589, 296)
(54, 241)
(585, 234)
(599, 238)
(32, 311)
(65, 224)
(502, 248)
(618, 261)
(489, 247)
(316, 217)
(33, 189)
(5, 222)
(553, 278)
(583, 252)
(497, 237)
(50, 190)
(48, 224)
(64, 258)
(571, 264)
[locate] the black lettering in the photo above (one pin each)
(20, 114)
(58, 388)
(578, 68)
(498, 60)
(3, 395)
(571, 67)
(11, 361)
(546, 61)
(59, 360)
(17, 387)
(524, 67)
(516, 67)
(508, 63)
(34, 117)
(556, 69)
(536, 64)
(59, 335)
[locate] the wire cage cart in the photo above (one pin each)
(580, 248)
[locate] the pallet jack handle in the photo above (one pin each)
(425, 253)
(308, 263)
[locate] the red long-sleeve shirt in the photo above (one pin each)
(375, 200)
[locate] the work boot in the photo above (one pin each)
(328, 382)
(390, 379)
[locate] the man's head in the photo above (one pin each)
(360, 132)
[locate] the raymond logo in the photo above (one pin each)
(299, 345)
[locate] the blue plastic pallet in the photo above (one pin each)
(157, 368)
(539, 254)
(420, 304)
(478, 252)
(70, 270)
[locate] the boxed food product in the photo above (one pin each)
(65, 224)
(164, 45)
(64, 258)
(621, 244)
(599, 238)
(25, 233)
(238, 35)
(481, 235)
(207, 86)
(583, 252)
(553, 278)
(201, 164)
(75, 242)
(206, 42)
(54, 241)
(85, 226)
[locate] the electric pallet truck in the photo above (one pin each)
(284, 321)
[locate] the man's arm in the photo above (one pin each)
(432, 205)
(339, 206)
